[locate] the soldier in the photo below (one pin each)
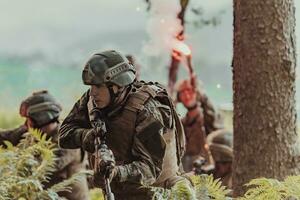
(200, 120)
(42, 111)
(144, 132)
(221, 146)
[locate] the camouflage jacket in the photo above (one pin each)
(136, 135)
(68, 163)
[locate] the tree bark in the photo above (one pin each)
(265, 139)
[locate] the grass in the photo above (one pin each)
(10, 120)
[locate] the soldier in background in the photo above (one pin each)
(221, 146)
(200, 120)
(144, 132)
(42, 111)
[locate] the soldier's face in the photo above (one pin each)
(188, 97)
(100, 95)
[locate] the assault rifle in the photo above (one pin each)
(103, 155)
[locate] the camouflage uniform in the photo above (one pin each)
(198, 127)
(144, 134)
(42, 106)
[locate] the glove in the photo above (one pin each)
(99, 178)
(106, 167)
(106, 163)
(88, 140)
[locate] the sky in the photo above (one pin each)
(39, 34)
(69, 31)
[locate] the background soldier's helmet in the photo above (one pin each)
(221, 145)
(108, 67)
(41, 107)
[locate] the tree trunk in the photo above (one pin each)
(265, 139)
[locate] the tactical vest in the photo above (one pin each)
(121, 129)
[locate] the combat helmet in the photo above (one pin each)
(41, 107)
(221, 145)
(108, 67)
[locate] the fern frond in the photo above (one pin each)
(182, 190)
(96, 194)
(31, 183)
(207, 187)
(9, 145)
(263, 188)
(26, 166)
(47, 166)
(292, 186)
(3, 193)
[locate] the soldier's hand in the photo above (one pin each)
(107, 161)
(88, 140)
(106, 168)
(99, 177)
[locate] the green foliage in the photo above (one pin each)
(205, 187)
(263, 188)
(96, 194)
(27, 166)
(180, 191)
(8, 120)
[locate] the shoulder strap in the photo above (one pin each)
(137, 100)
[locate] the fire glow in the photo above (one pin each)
(183, 48)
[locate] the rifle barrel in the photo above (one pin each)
(109, 194)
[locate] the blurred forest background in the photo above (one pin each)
(44, 45)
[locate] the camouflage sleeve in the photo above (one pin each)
(212, 120)
(66, 157)
(13, 135)
(149, 145)
(75, 124)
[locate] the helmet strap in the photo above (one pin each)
(112, 94)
